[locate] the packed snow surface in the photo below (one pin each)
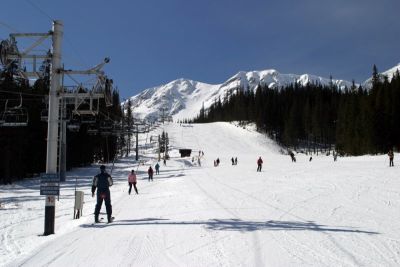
(318, 213)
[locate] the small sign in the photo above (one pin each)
(49, 184)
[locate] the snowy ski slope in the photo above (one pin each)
(318, 213)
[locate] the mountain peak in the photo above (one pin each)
(183, 98)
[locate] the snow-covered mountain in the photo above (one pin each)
(184, 98)
(389, 73)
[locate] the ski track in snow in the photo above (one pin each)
(319, 213)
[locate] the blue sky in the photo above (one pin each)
(153, 42)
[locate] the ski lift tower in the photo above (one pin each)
(9, 55)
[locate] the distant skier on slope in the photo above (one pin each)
(236, 161)
(157, 167)
(335, 154)
(292, 156)
(150, 173)
(259, 164)
(391, 156)
(102, 182)
(132, 181)
(233, 161)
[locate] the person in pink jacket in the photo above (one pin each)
(132, 181)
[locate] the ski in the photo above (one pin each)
(101, 220)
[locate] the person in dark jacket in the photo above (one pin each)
(102, 182)
(292, 156)
(259, 164)
(157, 167)
(150, 173)
(391, 156)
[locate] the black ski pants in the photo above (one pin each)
(259, 167)
(103, 195)
(391, 162)
(134, 186)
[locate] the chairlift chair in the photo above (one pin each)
(74, 124)
(15, 116)
(106, 127)
(92, 129)
(44, 115)
(88, 118)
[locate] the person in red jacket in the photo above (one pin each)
(132, 181)
(259, 164)
(150, 172)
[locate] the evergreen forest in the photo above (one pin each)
(312, 118)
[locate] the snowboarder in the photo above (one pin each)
(132, 181)
(150, 173)
(102, 182)
(391, 156)
(259, 164)
(236, 161)
(157, 167)
(233, 161)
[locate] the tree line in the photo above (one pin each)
(354, 120)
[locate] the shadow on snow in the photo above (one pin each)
(239, 225)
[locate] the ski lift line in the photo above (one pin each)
(79, 57)
(9, 27)
(40, 10)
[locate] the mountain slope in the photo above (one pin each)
(184, 98)
(389, 74)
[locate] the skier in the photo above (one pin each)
(391, 156)
(102, 182)
(334, 155)
(198, 161)
(233, 161)
(132, 181)
(217, 161)
(310, 159)
(259, 164)
(292, 156)
(236, 161)
(165, 162)
(150, 172)
(157, 167)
